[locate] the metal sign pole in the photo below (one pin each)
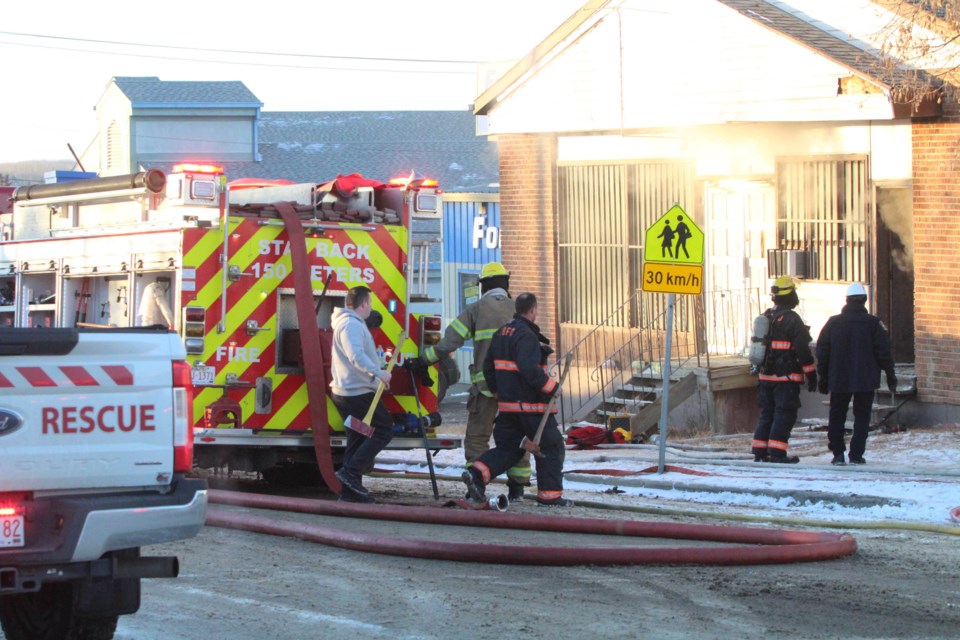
(665, 373)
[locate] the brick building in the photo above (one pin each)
(773, 125)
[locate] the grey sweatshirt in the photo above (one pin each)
(355, 363)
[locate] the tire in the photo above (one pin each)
(50, 614)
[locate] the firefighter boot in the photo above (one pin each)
(514, 492)
(475, 489)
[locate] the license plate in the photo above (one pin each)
(11, 531)
(201, 376)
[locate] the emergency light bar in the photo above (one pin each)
(196, 168)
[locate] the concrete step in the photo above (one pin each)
(633, 402)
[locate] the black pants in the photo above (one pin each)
(508, 432)
(839, 403)
(361, 451)
(779, 402)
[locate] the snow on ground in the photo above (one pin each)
(910, 477)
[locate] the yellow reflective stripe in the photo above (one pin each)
(461, 329)
(430, 355)
(477, 377)
(484, 334)
(519, 471)
(384, 266)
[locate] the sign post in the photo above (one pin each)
(672, 264)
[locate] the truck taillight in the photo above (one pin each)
(182, 417)
(430, 327)
(7, 511)
(194, 323)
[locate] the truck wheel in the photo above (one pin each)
(50, 614)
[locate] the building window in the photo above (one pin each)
(822, 213)
(604, 210)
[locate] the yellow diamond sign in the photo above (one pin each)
(674, 238)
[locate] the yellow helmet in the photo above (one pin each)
(492, 269)
(784, 285)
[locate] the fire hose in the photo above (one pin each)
(745, 545)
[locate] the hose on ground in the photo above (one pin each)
(744, 545)
(894, 525)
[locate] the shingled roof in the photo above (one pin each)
(316, 146)
(155, 92)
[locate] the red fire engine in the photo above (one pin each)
(238, 270)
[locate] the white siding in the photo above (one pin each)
(686, 62)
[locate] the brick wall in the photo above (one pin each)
(936, 229)
(528, 221)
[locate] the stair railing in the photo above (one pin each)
(629, 341)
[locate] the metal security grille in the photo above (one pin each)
(604, 209)
(822, 209)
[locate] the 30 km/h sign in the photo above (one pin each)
(672, 278)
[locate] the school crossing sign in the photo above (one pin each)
(673, 254)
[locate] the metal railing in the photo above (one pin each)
(630, 345)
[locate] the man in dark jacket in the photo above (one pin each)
(787, 363)
(852, 349)
(515, 371)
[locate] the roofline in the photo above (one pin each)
(194, 105)
(489, 98)
(928, 106)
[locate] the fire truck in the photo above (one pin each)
(248, 273)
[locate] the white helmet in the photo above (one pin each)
(856, 289)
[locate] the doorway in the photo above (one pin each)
(893, 295)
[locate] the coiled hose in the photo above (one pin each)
(745, 545)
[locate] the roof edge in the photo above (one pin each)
(489, 98)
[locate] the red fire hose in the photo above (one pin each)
(754, 545)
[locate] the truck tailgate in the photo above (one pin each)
(97, 414)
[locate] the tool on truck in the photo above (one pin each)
(248, 274)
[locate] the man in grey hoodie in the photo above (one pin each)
(356, 373)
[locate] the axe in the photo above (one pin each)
(363, 426)
(533, 446)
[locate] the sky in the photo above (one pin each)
(59, 56)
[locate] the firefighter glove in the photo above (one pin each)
(421, 369)
(823, 386)
(812, 381)
(892, 382)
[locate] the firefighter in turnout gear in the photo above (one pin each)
(788, 362)
(515, 370)
(478, 321)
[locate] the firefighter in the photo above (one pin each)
(515, 370)
(852, 349)
(788, 361)
(478, 321)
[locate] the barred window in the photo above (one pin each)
(604, 210)
(822, 211)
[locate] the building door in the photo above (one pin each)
(893, 293)
(739, 217)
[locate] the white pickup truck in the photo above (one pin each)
(95, 442)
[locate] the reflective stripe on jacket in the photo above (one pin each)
(789, 358)
(478, 322)
(514, 369)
